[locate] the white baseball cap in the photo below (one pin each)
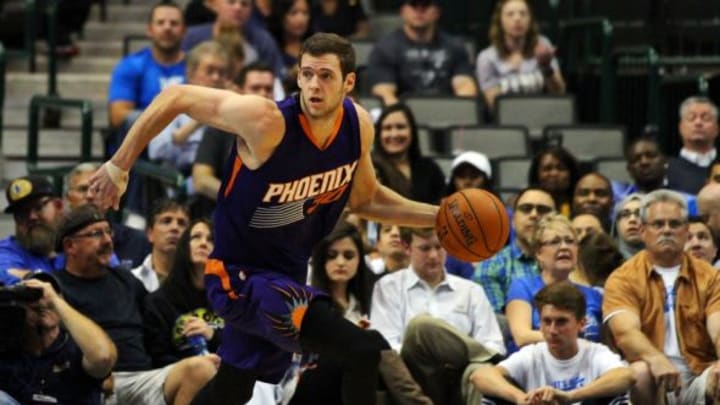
(476, 159)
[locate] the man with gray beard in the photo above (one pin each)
(37, 209)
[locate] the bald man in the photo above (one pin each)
(708, 203)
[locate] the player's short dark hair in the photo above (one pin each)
(695, 219)
(165, 3)
(525, 190)
(256, 66)
(165, 205)
(326, 43)
(563, 295)
(642, 138)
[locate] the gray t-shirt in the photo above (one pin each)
(525, 79)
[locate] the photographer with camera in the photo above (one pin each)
(43, 362)
(37, 208)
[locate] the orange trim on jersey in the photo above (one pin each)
(236, 169)
(305, 124)
(217, 268)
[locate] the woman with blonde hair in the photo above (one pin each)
(555, 245)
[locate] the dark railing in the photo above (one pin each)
(38, 102)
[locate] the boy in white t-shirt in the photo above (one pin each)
(563, 369)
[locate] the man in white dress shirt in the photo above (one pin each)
(166, 222)
(442, 325)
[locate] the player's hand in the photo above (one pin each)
(523, 399)
(196, 326)
(107, 185)
(666, 374)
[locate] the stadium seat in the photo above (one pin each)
(494, 141)
(614, 169)
(589, 142)
(511, 173)
(443, 111)
(535, 111)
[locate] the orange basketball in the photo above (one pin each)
(472, 224)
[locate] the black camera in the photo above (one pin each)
(12, 315)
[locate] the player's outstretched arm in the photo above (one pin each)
(371, 200)
(255, 119)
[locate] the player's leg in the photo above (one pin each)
(326, 332)
(230, 386)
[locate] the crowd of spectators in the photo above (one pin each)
(605, 290)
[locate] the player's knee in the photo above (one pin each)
(198, 370)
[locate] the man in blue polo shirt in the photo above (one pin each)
(37, 209)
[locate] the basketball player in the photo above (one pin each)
(295, 166)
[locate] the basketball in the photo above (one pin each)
(472, 225)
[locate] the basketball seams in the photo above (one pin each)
(477, 221)
(445, 213)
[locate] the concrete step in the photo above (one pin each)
(95, 47)
(115, 31)
(122, 12)
(18, 116)
(20, 86)
(56, 144)
(79, 64)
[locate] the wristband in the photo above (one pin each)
(118, 176)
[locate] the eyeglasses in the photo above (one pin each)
(96, 234)
(628, 213)
(556, 242)
(659, 224)
(541, 209)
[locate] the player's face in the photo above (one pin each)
(628, 222)
(560, 330)
(515, 18)
(585, 224)
(36, 224)
(553, 175)
(395, 133)
(557, 250)
(211, 71)
(77, 194)
(342, 261)
(259, 83)
(700, 243)
(322, 85)
(40, 315)
(165, 232)
(166, 29)
(201, 244)
(427, 258)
